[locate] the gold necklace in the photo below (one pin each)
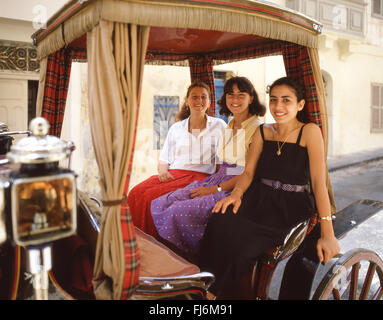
(279, 151)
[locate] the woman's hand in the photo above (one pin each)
(327, 248)
(203, 191)
(164, 176)
(163, 172)
(222, 204)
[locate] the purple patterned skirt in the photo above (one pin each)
(181, 219)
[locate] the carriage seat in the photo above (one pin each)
(259, 280)
(163, 273)
(166, 274)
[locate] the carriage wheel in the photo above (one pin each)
(358, 274)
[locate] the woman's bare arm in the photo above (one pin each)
(327, 246)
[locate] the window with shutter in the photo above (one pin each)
(376, 107)
(377, 8)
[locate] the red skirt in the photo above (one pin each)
(141, 196)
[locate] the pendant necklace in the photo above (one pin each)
(279, 151)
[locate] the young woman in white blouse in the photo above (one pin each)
(188, 155)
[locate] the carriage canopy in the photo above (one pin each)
(116, 38)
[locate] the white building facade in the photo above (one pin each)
(351, 58)
(19, 66)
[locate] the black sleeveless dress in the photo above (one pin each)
(233, 242)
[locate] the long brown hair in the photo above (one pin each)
(185, 111)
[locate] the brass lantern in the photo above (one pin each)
(43, 195)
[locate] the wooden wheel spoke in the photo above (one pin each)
(367, 281)
(354, 281)
(336, 294)
(378, 294)
(342, 278)
(345, 285)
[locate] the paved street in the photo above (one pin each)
(361, 182)
(358, 182)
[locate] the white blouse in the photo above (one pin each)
(185, 151)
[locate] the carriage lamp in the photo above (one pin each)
(38, 200)
(43, 210)
(43, 195)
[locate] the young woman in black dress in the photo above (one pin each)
(271, 196)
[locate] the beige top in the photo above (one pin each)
(233, 148)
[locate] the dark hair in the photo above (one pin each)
(185, 111)
(244, 85)
(299, 91)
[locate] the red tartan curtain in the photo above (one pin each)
(298, 66)
(56, 89)
(201, 68)
(56, 86)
